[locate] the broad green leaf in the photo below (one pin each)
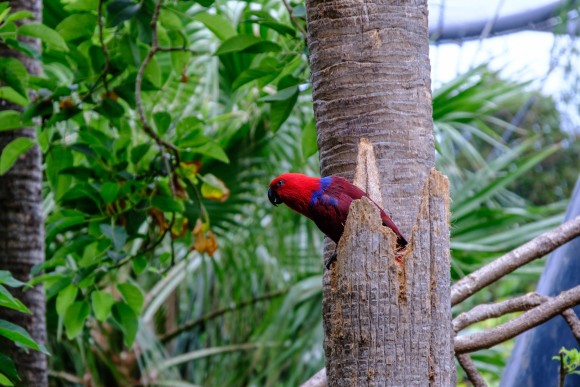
(75, 317)
(214, 188)
(268, 68)
(14, 74)
(19, 335)
(8, 368)
(162, 121)
(218, 24)
(65, 299)
(167, 204)
(117, 235)
(11, 95)
(139, 264)
(246, 43)
(278, 27)
(138, 152)
(13, 151)
(81, 5)
(213, 150)
(280, 109)
(19, 15)
(309, 145)
(77, 26)
(9, 119)
(102, 302)
(7, 279)
(153, 73)
(4, 381)
(122, 10)
(109, 191)
(170, 21)
(133, 296)
(7, 300)
(44, 33)
(126, 318)
(282, 95)
(4, 11)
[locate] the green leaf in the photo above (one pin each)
(102, 302)
(44, 33)
(7, 279)
(282, 95)
(153, 73)
(133, 296)
(19, 335)
(213, 150)
(162, 121)
(218, 24)
(280, 109)
(9, 119)
(122, 10)
(282, 29)
(65, 299)
(14, 74)
(76, 26)
(138, 152)
(247, 44)
(309, 145)
(167, 204)
(117, 235)
(139, 264)
(11, 95)
(13, 151)
(7, 300)
(268, 68)
(109, 191)
(126, 318)
(19, 15)
(8, 368)
(75, 317)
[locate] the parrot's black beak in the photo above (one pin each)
(274, 199)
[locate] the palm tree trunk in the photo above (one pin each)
(371, 78)
(21, 226)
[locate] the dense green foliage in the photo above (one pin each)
(164, 261)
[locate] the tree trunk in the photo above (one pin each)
(21, 226)
(371, 78)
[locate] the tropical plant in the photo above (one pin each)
(165, 263)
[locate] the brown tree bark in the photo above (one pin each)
(371, 78)
(21, 226)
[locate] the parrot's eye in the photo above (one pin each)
(280, 182)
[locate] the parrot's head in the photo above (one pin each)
(292, 189)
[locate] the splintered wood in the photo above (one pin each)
(387, 319)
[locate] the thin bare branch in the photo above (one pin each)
(293, 19)
(139, 101)
(317, 380)
(536, 248)
(573, 322)
(173, 49)
(487, 311)
(218, 312)
(65, 376)
(528, 320)
(471, 370)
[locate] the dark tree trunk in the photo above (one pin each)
(21, 226)
(371, 78)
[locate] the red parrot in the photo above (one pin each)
(324, 200)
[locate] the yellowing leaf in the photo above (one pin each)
(214, 189)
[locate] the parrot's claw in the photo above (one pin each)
(331, 260)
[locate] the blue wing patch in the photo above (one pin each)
(320, 197)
